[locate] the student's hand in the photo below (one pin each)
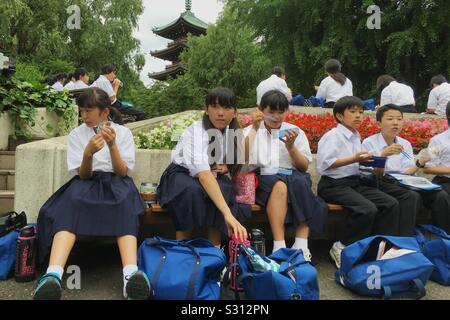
(392, 150)
(423, 161)
(362, 156)
(108, 134)
(116, 83)
(235, 228)
(289, 139)
(95, 145)
(220, 169)
(257, 117)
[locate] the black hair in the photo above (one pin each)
(447, 112)
(275, 100)
(333, 67)
(70, 76)
(97, 98)
(107, 69)
(383, 81)
(60, 76)
(79, 73)
(439, 79)
(381, 111)
(278, 71)
(345, 103)
(225, 98)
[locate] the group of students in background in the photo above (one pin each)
(337, 85)
(197, 189)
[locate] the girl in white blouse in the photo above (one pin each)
(100, 200)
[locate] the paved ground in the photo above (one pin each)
(102, 276)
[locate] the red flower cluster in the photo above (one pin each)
(418, 132)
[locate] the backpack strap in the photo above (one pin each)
(194, 272)
(416, 291)
(435, 230)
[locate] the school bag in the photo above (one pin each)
(437, 250)
(382, 266)
(182, 270)
(286, 276)
(8, 254)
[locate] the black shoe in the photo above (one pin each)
(48, 287)
(138, 287)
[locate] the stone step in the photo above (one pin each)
(6, 200)
(7, 179)
(7, 160)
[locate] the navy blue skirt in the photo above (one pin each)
(189, 205)
(105, 205)
(303, 205)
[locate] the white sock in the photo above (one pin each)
(127, 272)
(56, 269)
(300, 243)
(278, 245)
(340, 245)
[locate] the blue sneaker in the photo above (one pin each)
(48, 287)
(138, 287)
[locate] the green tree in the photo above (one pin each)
(229, 56)
(413, 43)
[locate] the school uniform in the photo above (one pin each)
(70, 85)
(439, 98)
(272, 83)
(269, 152)
(180, 191)
(104, 205)
(371, 211)
(442, 141)
(399, 94)
(103, 83)
(58, 86)
(79, 84)
(331, 91)
(411, 202)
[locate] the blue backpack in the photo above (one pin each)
(437, 251)
(7, 253)
(296, 279)
(182, 270)
(363, 274)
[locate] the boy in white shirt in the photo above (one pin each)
(440, 166)
(400, 159)
(339, 153)
(277, 81)
(393, 92)
(439, 95)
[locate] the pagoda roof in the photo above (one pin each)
(186, 23)
(171, 71)
(172, 51)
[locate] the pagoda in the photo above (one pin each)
(177, 31)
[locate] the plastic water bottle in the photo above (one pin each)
(25, 267)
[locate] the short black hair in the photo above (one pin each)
(386, 108)
(93, 98)
(439, 79)
(383, 81)
(447, 112)
(278, 71)
(275, 100)
(70, 76)
(79, 73)
(222, 96)
(107, 69)
(61, 76)
(345, 103)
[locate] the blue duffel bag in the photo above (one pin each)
(295, 280)
(182, 270)
(404, 275)
(8, 253)
(437, 250)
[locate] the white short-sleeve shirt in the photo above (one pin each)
(103, 83)
(194, 151)
(332, 91)
(70, 86)
(397, 93)
(439, 98)
(79, 85)
(80, 137)
(442, 142)
(268, 151)
(398, 162)
(336, 144)
(58, 86)
(272, 83)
